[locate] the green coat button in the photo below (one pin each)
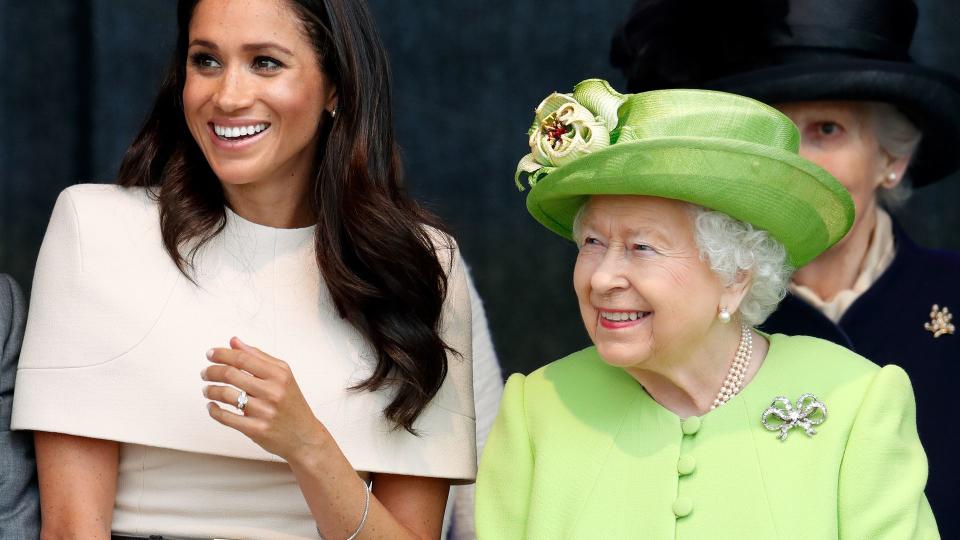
(682, 507)
(686, 465)
(691, 425)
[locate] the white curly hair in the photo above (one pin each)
(733, 248)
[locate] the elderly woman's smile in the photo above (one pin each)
(642, 287)
(611, 318)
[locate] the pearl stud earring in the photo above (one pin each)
(333, 112)
(724, 315)
(892, 176)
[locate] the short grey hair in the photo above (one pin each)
(733, 248)
(897, 136)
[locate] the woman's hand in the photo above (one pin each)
(276, 416)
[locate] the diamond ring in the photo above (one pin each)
(242, 401)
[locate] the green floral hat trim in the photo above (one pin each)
(717, 150)
(569, 126)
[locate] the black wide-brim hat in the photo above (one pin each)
(779, 51)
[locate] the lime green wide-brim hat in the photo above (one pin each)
(721, 151)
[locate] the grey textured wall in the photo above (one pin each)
(79, 75)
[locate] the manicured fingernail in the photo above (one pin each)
(205, 389)
(203, 373)
(210, 354)
(240, 341)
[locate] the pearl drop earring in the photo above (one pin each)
(333, 112)
(724, 315)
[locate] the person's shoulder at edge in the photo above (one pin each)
(19, 501)
(944, 256)
(906, 245)
(917, 268)
(11, 307)
(12, 320)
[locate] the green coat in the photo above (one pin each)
(580, 450)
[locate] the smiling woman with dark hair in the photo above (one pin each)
(262, 199)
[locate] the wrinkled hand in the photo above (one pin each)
(276, 416)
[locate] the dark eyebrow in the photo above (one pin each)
(203, 43)
(267, 45)
(247, 47)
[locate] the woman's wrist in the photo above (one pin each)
(363, 516)
(313, 449)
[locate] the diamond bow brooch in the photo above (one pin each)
(783, 416)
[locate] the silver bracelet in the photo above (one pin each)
(366, 510)
(363, 517)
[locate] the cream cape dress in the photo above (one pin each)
(116, 339)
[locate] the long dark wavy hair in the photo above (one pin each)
(374, 252)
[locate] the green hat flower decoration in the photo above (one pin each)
(569, 126)
(717, 150)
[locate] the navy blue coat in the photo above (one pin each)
(886, 325)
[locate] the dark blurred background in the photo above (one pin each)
(79, 75)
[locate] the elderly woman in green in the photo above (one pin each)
(690, 209)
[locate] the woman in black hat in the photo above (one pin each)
(879, 123)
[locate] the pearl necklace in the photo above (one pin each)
(741, 362)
